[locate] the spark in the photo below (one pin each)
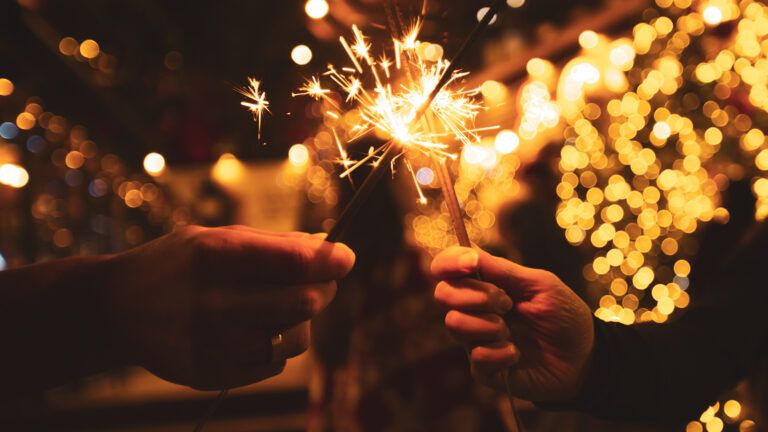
(388, 95)
(257, 102)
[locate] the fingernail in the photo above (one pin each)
(469, 260)
(321, 236)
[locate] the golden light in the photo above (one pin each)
(515, 3)
(316, 9)
(493, 91)
(25, 121)
(74, 159)
(228, 170)
(154, 164)
(301, 55)
(507, 141)
(89, 49)
(298, 155)
(6, 87)
(732, 409)
(589, 39)
(13, 175)
(715, 425)
(712, 15)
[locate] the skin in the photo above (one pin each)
(197, 307)
(519, 319)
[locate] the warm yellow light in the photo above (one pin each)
(25, 121)
(588, 39)
(507, 142)
(6, 87)
(316, 9)
(301, 55)
(89, 49)
(154, 164)
(715, 425)
(732, 409)
(13, 175)
(228, 170)
(515, 3)
(493, 91)
(712, 15)
(298, 155)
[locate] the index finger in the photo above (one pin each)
(460, 262)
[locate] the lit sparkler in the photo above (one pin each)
(257, 102)
(396, 100)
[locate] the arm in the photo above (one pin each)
(51, 327)
(557, 352)
(197, 307)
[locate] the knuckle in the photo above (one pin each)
(301, 259)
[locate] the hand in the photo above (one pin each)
(521, 319)
(200, 306)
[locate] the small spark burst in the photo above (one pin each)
(389, 97)
(257, 102)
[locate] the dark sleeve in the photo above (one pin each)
(670, 373)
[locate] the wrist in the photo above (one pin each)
(52, 323)
(86, 284)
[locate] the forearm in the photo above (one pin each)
(52, 326)
(660, 374)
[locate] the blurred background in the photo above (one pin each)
(620, 135)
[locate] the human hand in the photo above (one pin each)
(521, 319)
(200, 306)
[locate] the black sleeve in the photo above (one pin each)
(670, 373)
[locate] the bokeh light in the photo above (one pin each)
(316, 9)
(154, 164)
(301, 55)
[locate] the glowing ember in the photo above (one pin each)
(257, 102)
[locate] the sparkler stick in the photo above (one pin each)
(364, 193)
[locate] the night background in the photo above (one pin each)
(120, 122)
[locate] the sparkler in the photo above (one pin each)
(419, 114)
(257, 102)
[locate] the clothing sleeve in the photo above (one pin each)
(670, 373)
